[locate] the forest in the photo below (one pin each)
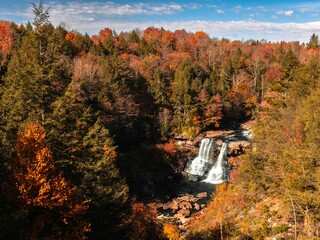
(88, 121)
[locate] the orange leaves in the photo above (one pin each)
(213, 111)
(171, 231)
(38, 182)
(170, 148)
(173, 60)
(250, 105)
(34, 132)
(223, 211)
(197, 38)
(151, 34)
(125, 56)
(6, 36)
(71, 36)
(202, 34)
(167, 37)
(35, 176)
(110, 151)
(103, 35)
(143, 222)
(193, 41)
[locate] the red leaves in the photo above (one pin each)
(103, 35)
(6, 36)
(170, 148)
(273, 73)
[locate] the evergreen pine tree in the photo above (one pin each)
(38, 73)
(313, 42)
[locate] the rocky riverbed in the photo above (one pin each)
(191, 197)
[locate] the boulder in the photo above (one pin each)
(185, 221)
(177, 200)
(182, 228)
(188, 198)
(185, 205)
(184, 212)
(180, 143)
(174, 206)
(169, 205)
(166, 205)
(159, 205)
(196, 206)
(178, 216)
(238, 145)
(202, 195)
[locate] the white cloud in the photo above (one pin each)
(303, 10)
(87, 19)
(192, 6)
(114, 9)
(232, 29)
(93, 16)
(287, 13)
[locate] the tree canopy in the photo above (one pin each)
(88, 127)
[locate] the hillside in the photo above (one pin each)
(90, 124)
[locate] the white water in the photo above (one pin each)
(247, 134)
(217, 173)
(199, 165)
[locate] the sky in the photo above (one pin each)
(272, 20)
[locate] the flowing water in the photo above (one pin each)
(218, 172)
(199, 165)
(204, 161)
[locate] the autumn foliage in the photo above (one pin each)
(143, 223)
(41, 187)
(171, 231)
(6, 36)
(109, 104)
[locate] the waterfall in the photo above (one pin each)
(217, 174)
(199, 165)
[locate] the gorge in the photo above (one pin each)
(205, 169)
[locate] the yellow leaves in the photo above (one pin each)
(171, 231)
(227, 203)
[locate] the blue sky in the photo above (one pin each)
(271, 20)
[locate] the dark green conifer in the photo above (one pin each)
(313, 42)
